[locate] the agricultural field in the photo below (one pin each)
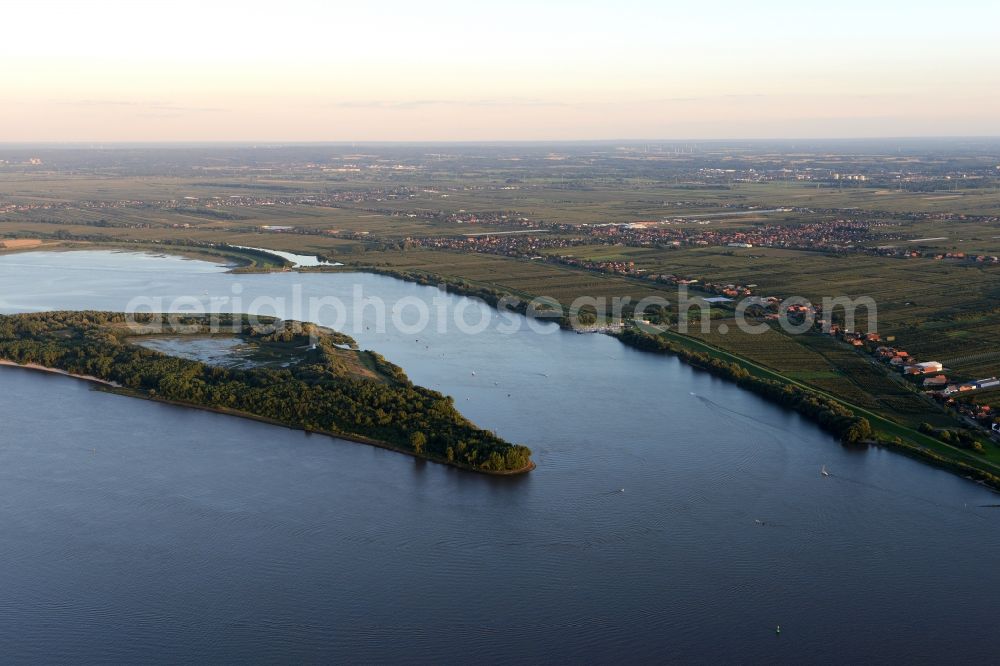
(827, 364)
(373, 207)
(956, 199)
(523, 278)
(936, 308)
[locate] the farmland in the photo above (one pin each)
(914, 230)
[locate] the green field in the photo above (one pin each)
(368, 216)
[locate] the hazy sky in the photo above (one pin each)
(298, 70)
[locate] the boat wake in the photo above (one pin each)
(910, 496)
(742, 415)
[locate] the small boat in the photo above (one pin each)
(823, 471)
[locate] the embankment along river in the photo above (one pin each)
(672, 515)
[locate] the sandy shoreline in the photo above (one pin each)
(57, 371)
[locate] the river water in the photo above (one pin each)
(672, 517)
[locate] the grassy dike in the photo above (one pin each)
(886, 432)
(883, 432)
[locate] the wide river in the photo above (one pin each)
(136, 531)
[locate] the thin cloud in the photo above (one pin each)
(422, 103)
(407, 105)
(150, 106)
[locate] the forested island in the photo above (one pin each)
(327, 385)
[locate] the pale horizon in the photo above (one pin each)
(313, 72)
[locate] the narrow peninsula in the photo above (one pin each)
(294, 374)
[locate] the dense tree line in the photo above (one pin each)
(261, 257)
(829, 414)
(549, 311)
(319, 393)
(455, 286)
(962, 438)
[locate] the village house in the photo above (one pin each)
(990, 382)
(900, 358)
(924, 368)
(936, 381)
